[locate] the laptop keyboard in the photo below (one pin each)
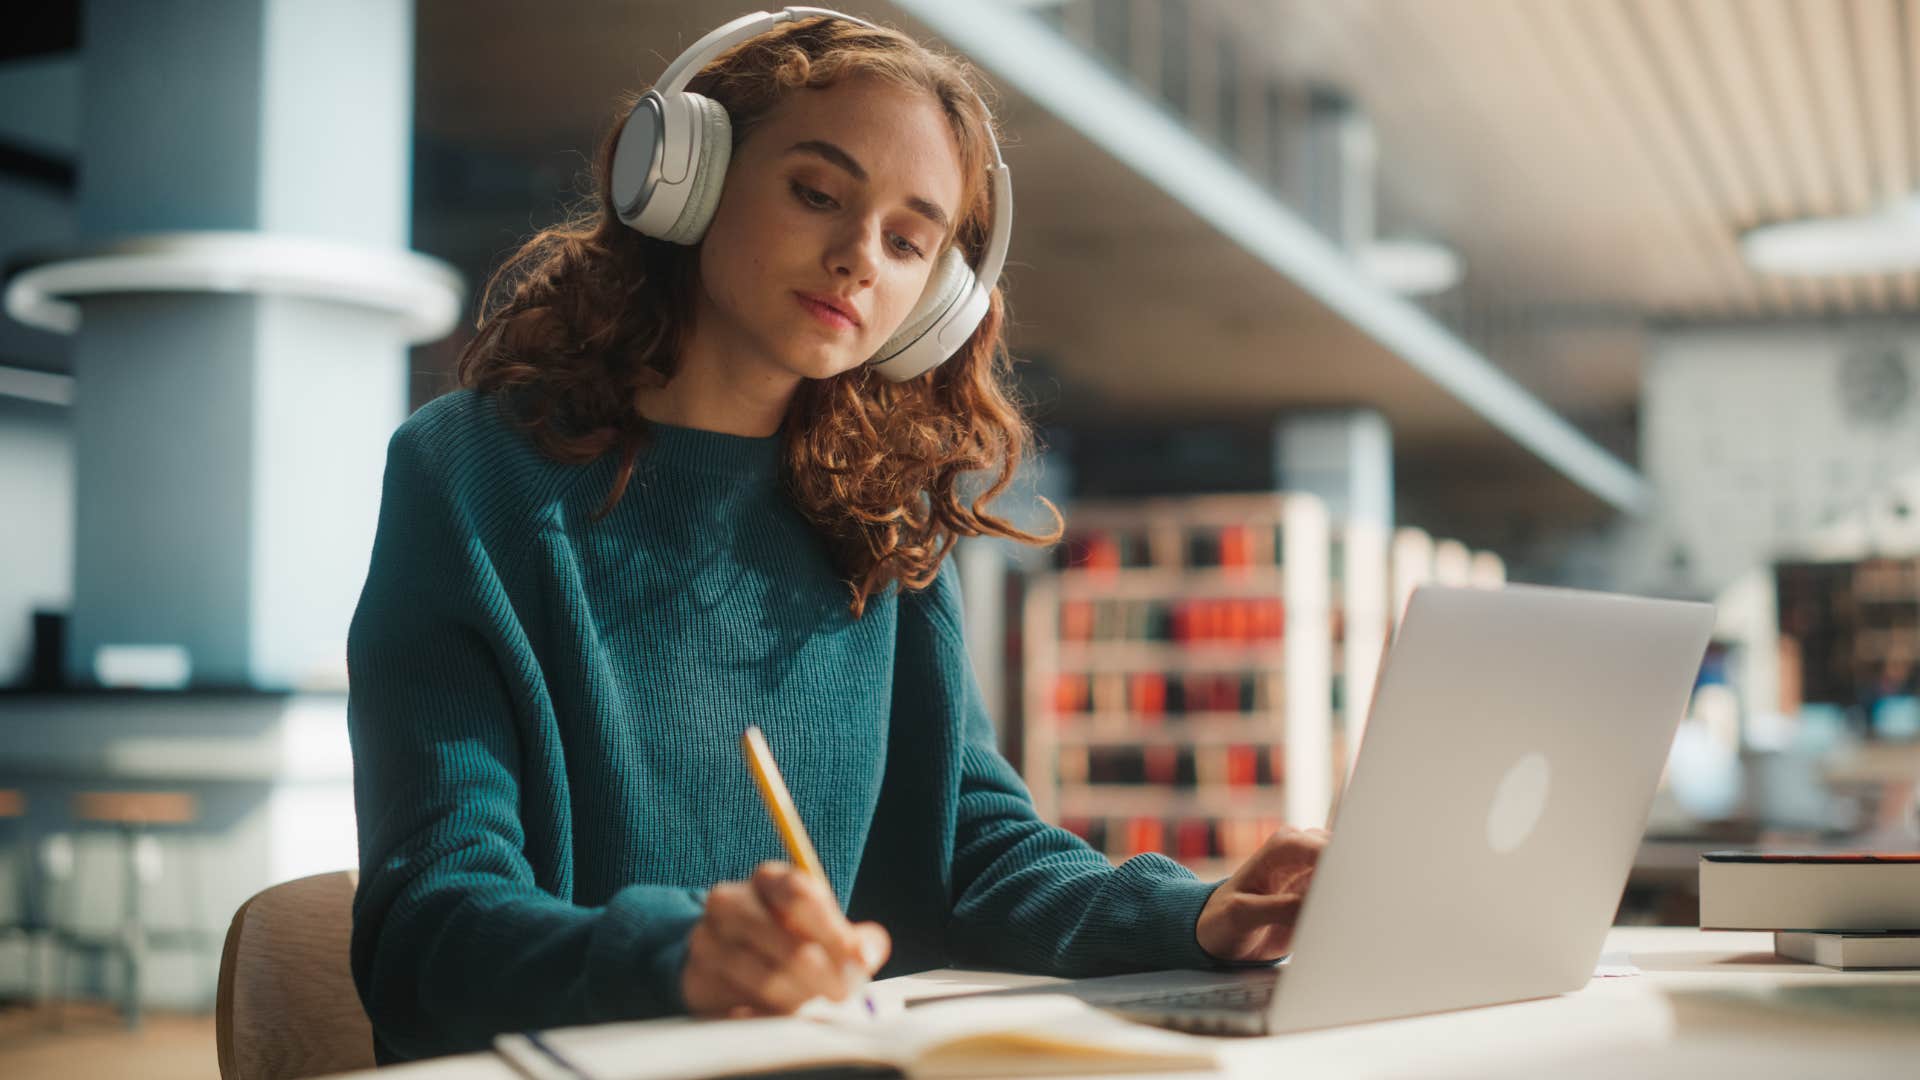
(1204, 1002)
(1233, 997)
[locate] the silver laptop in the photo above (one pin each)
(1509, 763)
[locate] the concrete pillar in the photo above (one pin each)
(1345, 458)
(983, 567)
(232, 409)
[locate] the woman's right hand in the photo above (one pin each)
(766, 945)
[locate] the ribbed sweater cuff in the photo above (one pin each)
(1172, 901)
(639, 951)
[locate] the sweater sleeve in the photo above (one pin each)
(454, 939)
(1030, 895)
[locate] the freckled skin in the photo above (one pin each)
(791, 220)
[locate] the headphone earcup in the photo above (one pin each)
(950, 282)
(709, 173)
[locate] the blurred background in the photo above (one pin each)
(1314, 301)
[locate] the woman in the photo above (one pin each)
(674, 499)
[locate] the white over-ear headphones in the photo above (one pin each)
(671, 159)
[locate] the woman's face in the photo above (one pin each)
(841, 195)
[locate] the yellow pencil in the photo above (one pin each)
(786, 818)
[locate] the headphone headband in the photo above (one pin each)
(751, 25)
(725, 36)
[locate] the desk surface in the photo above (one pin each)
(1686, 1014)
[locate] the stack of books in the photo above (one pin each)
(1842, 910)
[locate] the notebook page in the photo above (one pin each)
(1037, 1035)
(681, 1049)
(1031, 1035)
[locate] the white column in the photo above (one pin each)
(1307, 650)
(232, 404)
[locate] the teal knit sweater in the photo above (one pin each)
(545, 713)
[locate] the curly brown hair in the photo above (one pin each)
(588, 312)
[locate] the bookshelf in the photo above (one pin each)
(1373, 600)
(1415, 559)
(1197, 670)
(1360, 568)
(1178, 676)
(1486, 571)
(1409, 566)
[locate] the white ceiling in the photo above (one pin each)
(1610, 152)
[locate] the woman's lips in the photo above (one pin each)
(826, 313)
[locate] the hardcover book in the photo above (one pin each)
(1809, 891)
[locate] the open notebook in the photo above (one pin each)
(1038, 1035)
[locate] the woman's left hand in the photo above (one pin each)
(1251, 915)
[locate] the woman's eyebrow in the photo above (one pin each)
(822, 149)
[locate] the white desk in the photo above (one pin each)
(1652, 1024)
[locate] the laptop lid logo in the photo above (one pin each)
(1518, 803)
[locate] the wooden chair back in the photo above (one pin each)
(287, 1006)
